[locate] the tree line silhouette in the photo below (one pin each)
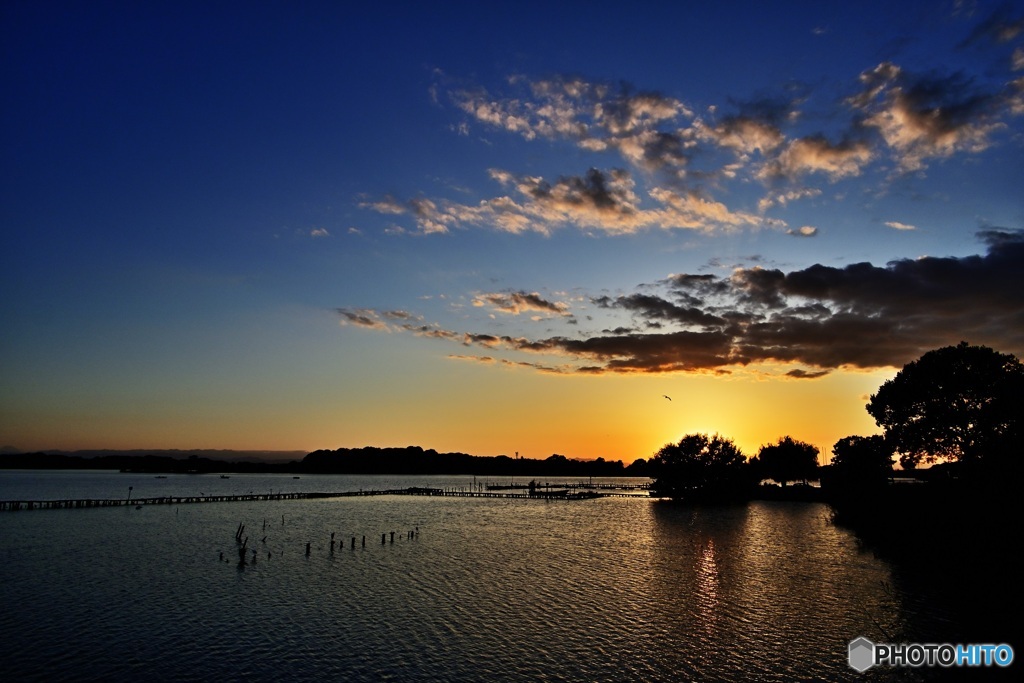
(959, 406)
(416, 460)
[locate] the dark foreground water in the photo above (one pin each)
(614, 589)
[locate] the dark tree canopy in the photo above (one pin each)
(861, 461)
(960, 403)
(787, 460)
(700, 467)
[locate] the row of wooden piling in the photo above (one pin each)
(243, 541)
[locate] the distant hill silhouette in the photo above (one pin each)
(150, 461)
(368, 460)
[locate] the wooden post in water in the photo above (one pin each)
(307, 550)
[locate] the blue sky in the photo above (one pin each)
(279, 225)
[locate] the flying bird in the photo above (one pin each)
(668, 397)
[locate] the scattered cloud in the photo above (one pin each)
(319, 232)
(744, 135)
(820, 318)
(1000, 27)
(362, 317)
(804, 374)
(784, 198)
(604, 201)
(664, 167)
(514, 303)
(815, 154)
(921, 117)
(677, 169)
(475, 359)
(387, 205)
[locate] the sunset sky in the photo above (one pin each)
(497, 227)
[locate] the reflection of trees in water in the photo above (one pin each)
(765, 587)
(693, 582)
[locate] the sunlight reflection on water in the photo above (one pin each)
(488, 590)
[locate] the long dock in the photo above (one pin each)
(80, 503)
(576, 486)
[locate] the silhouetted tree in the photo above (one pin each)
(700, 467)
(960, 403)
(860, 462)
(637, 468)
(787, 460)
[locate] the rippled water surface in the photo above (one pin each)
(611, 589)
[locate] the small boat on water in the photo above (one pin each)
(224, 476)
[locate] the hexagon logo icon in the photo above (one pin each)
(862, 654)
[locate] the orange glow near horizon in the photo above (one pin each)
(623, 417)
(491, 411)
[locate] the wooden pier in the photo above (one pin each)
(76, 503)
(573, 493)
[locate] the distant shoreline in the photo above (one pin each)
(411, 460)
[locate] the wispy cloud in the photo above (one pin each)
(784, 198)
(362, 317)
(600, 201)
(514, 303)
(1002, 26)
(820, 318)
(896, 225)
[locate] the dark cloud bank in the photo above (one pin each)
(818, 319)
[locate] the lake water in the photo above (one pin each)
(611, 589)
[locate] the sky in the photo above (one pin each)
(497, 228)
